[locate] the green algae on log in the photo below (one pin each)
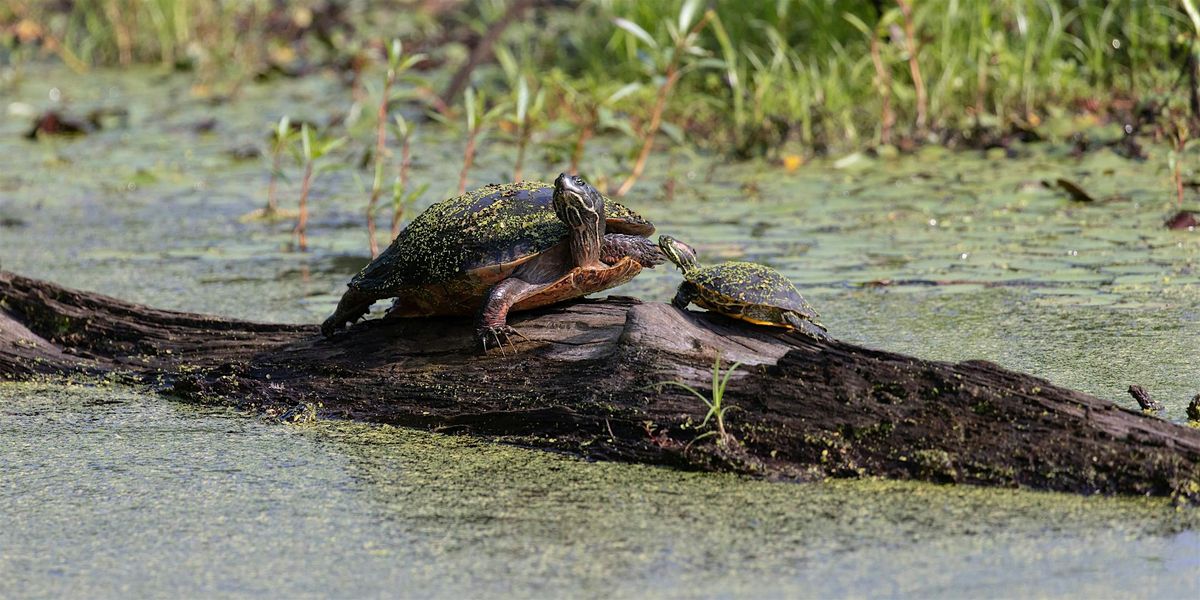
(586, 384)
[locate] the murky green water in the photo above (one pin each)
(106, 492)
(109, 493)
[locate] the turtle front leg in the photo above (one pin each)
(812, 329)
(353, 305)
(684, 296)
(616, 246)
(492, 328)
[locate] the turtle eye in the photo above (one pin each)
(578, 181)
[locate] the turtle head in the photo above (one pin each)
(683, 255)
(581, 208)
(577, 203)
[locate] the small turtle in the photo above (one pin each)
(503, 247)
(748, 291)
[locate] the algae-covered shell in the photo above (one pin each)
(497, 224)
(744, 283)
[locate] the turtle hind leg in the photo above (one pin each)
(353, 305)
(812, 329)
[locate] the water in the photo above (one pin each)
(136, 495)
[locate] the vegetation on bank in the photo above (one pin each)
(761, 72)
(786, 79)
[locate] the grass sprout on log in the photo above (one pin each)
(716, 403)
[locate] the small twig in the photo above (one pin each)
(648, 134)
(981, 88)
(478, 118)
(482, 51)
(585, 133)
(281, 137)
(273, 180)
(660, 104)
(52, 43)
(910, 38)
(522, 142)
(380, 149)
(887, 117)
(468, 160)
(405, 163)
(121, 32)
(1193, 62)
(302, 221)
(1179, 168)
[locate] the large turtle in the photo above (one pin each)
(503, 247)
(742, 290)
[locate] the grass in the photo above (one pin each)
(283, 137)
(1178, 135)
(313, 147)
(676, 59)
(715, 401)
(478, 120)
(403, 192)
(528, 105)
(785, 79)
(397, 65)
(779, 60)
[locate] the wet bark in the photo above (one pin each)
(586, 384)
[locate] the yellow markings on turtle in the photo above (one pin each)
(758, 322)
(732, 308)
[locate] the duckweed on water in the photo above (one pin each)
(145, 497)
(134, 496)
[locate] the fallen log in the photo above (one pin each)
(587, 383)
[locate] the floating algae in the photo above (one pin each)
(107, 491)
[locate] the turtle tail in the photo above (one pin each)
(353, 305)
(812, 329)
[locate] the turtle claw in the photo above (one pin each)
(498, 337)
